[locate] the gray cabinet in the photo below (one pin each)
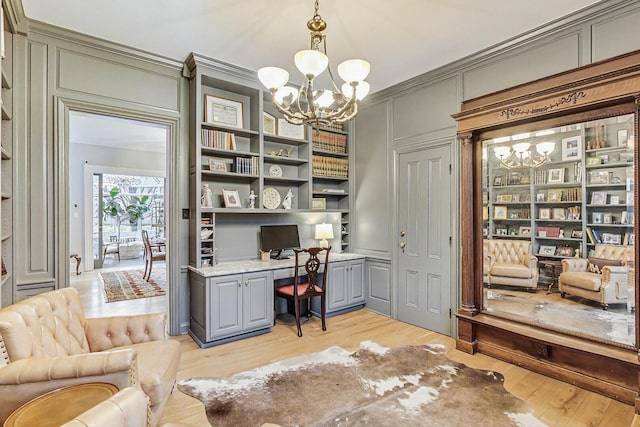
(226, 308)
(345, 287)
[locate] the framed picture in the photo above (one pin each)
(566, 251)
(597, 218)
(269, 125)
(217, 164)
(288, 130)
(592, 161)
(559, 213)
(554, 195)
(497, 181)
(556, 176)
(231, 199)
(611, 239)
(614, 200)
(572, 148)
(629, 239)
(516, 198)
(525, 231)
(485, 212)
(504, 198)
(599, 177)
(623, 137)
(501, 231)
(540, 197)
(544, 213)
(499, 212)
(607, 218)
(599, 198)
(223, 111)
(318, 203)
(576, 234)
(547, 250)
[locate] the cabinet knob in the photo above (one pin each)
(246, 283)
(239, 283)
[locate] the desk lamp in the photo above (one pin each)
(324, 232)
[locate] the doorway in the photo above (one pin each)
(424, 229)
(115, 161)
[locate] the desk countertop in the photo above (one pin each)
(250, 265)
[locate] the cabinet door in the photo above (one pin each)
(225, 305)
(356, 282)
(337, 288)
(257, 300)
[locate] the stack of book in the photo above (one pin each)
(329, 141)
(246, 165)
(330, 166)
(218, 139)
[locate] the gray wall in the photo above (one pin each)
(100, 156)
(419, 111)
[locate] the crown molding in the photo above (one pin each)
(14, 11)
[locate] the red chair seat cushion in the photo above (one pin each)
(302, 287)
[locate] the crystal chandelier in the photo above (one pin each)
(317, 107)
(520, 156)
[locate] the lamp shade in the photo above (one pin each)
(361, 90)
(324, 98)
(502, 151)
(353, 70)
(283, 92)
(273, 77)
(546, 147)
(311, 63)
(324, 231)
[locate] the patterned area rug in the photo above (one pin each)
(129, 284)
(375, 386)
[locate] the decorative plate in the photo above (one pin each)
(275, 170)
(270, 198)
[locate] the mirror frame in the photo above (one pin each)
(603, 89)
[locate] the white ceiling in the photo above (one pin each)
(401, 39)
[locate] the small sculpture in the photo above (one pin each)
(206, 199)
(252, 200)
(288, 198)
(288, 152)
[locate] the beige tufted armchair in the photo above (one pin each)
(610, 287)
(510, 262)
(46, 343)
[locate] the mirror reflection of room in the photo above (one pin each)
(558, 228)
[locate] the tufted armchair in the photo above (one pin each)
(606, 286)
(46, 343)
(510, 262)
(129, 407)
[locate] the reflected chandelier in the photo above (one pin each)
(520, 155)
(317, 107)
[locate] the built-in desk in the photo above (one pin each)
(234, 300)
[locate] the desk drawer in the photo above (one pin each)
(288, 273)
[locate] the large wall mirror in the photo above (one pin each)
(558, 226)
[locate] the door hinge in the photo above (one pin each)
(449, 313)
(449, 168)
(450, 241)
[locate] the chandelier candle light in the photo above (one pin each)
(317, 107)
(521, 155)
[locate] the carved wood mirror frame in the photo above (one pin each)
(604, 89)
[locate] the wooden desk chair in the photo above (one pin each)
(150, 255)
(311, 287)
(113, 247)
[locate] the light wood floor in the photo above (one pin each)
(554, 403)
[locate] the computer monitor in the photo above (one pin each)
(276, 238)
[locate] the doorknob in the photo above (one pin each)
(402, 245)
(402, 234)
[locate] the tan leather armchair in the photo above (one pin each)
(607, 287)
(47, 343)
(510, 262)
(129, 407)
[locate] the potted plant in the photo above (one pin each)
(112, 206)
(137, 208)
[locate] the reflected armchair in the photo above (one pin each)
(510, 263)
(602, 278)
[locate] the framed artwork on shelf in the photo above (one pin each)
(321, 203)
(499, 212)
(592, 161)
(599, 177)
(554, 195)
(504, 198)
(485, 212)
(497, 181)
(565, 251)
(544, 213)
(547, 250)
(576, 234)
(223, 111)
(556, 176)
(501, 231)
(269, 124)
(597, 218)
(231, 199)
(611, 239)
(614, 200)
(623, 137)
(607, 218)
(514, 178)
(572, 148)
(599, 198)
(288, 130)
(629, 239)
(217, 164)
(540, 197)
(559, 213)
(525, 231)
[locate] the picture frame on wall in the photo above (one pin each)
(269, 124)
(572, 148)
(288, 130)
(231, 199)
(223, 111)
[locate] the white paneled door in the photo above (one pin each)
(424, 262)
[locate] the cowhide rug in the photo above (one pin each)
(375, 386)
